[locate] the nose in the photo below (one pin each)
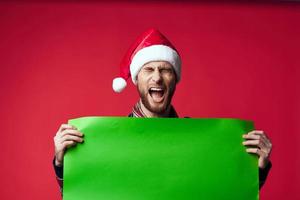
(156, 76)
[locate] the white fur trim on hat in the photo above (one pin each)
(119, 84)
(155, 53)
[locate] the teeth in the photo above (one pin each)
(156, 89)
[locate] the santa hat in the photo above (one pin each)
(150, 46)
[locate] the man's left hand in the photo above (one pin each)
(258, 143)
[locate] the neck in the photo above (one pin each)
(148, 113)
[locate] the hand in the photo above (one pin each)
(258, 143)
(66, 136)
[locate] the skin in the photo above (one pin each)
(159, 74)
(66, 137)
(257, 142)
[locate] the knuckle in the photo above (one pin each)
(67, 137)
(64, 132)
(260, 139)
(67, 143)
(70, 142)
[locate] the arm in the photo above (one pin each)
(263, 174)
(59, 175)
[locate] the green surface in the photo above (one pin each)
(159, 159)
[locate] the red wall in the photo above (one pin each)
(57, 61)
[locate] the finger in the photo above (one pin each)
(258, 132)
(255, 151)
(266, 147)
(263, 138)
(260, 141)
(71, 132)
(68, 144)
(66, 126)
(269, 144)
(71, 138)
(251, 142)
(251, 136)
(257, 143)
(266, 140)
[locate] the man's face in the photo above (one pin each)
(156, 83)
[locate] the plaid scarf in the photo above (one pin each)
(138, 112)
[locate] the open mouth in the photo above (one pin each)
(157, 94)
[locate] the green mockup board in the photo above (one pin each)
(160, 159)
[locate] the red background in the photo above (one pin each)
(57, 61)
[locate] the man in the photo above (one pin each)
(154, 65)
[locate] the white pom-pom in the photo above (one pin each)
(119, 84)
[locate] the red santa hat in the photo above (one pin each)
(150, 46)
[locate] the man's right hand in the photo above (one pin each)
(66, 136)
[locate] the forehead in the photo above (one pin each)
(158, 64)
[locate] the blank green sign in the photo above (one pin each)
(159, 159)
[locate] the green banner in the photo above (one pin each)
(159, 159)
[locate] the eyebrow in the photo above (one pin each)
(163, 66)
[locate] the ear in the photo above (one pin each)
(137, 78)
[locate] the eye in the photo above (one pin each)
(167, 70)
(148, 69)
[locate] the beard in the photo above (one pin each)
(160, 108)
